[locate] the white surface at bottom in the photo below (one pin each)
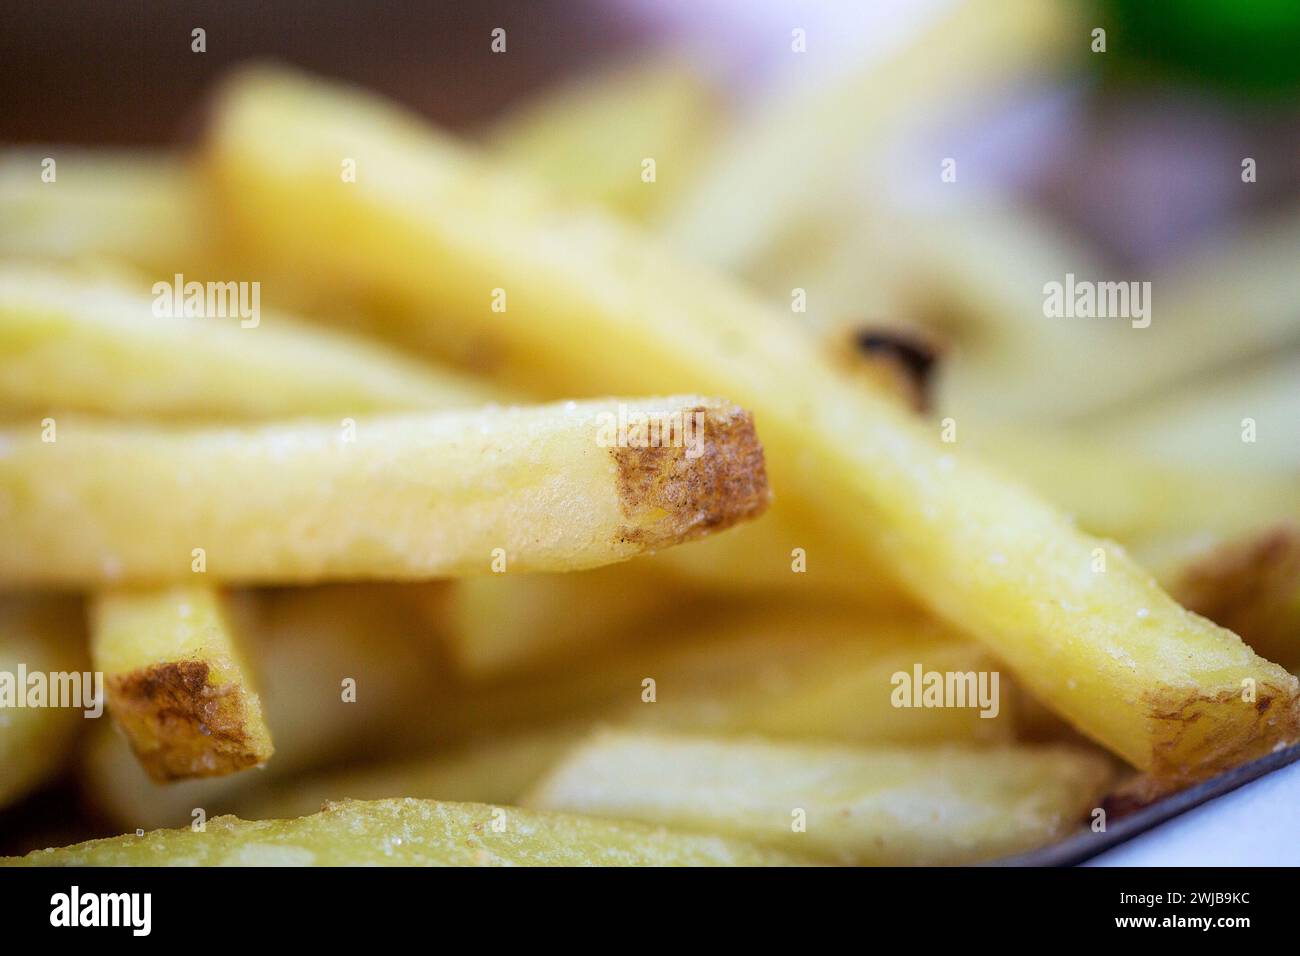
(1254, 825)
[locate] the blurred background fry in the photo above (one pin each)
(905, 182)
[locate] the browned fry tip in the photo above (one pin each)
(180, 725)
(671, 495)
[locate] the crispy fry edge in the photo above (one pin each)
(727, 484)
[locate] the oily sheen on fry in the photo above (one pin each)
(539, 488)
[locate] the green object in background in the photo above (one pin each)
(1247, 46)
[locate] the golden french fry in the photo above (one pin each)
(830, 674)
(595, 306)
(762, 556)
(411, 833)
(972, 275)
(979, 276)
(1238, 420)
(861, 684)
(75, 343)
(178, 681)
(1222, 539)
(495, 769)
(872, 806)
(533, 489)
(81, 342)
(500, 623)
(788, 670)
(793, 672)
(629, 138)
(787, 554)
(140, 208)
(1146, 501)
(1137, 498)
(345, 671)
(41, 642)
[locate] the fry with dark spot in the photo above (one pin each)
(669, 495)
(177, 683)
(899, 360)
(556, 487)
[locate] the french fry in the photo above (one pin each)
(1146, 501)
(971, 275)
(535, 489)
(344, 671)
(141, 216)
(847, 688)
(1239, 420)
(596, 306)
(80, 359)
(788, 670)
(178, 681)
(862, 806)
(786, 554)
(139, 208)
(800, 150)
(411, 833)
(757, 557)
(797, 672)
(591, 139)
(346, 666)
(1231, 301)
(811, 673)
(1139, 499)
(495, 770)
(1233, 297)
(975, 273)
(80, 344)
(38, 636)
(501, 623)
(1250, 584)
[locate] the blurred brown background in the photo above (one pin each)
(1143, 161)
(91, 71)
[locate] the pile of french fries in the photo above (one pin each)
(368, 581)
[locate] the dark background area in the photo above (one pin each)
(111, 71)
(1149, 162)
